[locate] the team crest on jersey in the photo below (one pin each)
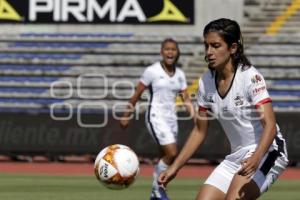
(209, 98)
(256, 79)
(238, 100)
(225, 109)
(180, 80)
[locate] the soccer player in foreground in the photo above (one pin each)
(164, 81)
(234, 92)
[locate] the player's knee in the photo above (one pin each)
(173, 154)
(170, 157)
(235, 195)
(242, 196)
(231, 197)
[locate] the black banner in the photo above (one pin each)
(38, 134)
(97, 11)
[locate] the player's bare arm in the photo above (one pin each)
(267, 117)
(185, 97)
(196, 138)
(131, 104)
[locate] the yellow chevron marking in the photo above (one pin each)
(7, 12)
(169, 13)
(280, 20)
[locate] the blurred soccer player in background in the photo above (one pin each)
(164, 81)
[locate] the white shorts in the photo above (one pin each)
(164, 131)
(271, 166)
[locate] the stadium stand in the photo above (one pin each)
(30, 63)
(276, 52)
(276, 55)
(44, 72)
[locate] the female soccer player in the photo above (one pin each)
(235, 93)
(164, 81)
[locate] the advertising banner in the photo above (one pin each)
(97, 11)
(39, 134)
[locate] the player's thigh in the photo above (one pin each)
(209, 192)
(243, 188)
(162, 132)
(169, 150)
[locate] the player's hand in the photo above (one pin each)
(124, 122)
(249, 166)
(166, 176)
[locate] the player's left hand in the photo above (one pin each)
(166, 176)
(249, 166)
(124, 122)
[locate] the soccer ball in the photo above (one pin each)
(116, 166)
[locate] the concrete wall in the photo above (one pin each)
(214, 9)
(39, 134)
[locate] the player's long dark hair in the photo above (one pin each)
(172, 41)
(230, 31)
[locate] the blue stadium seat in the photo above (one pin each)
(39, 56)
(286, 82)
(125, 35)
(45, 101)
(28, 78)
(18, 67)
(22, 90)
(287, 104)
(284, 92)
(59, 44)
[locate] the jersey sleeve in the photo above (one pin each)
(147, 77)
(257, 89)
(183, 83)
(201, 96)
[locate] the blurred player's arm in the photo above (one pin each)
(185, 97)
(131, 104)
(196, 138)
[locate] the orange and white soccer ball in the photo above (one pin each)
(116, 166)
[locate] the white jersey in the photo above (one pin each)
(236, 109)
(163, 90)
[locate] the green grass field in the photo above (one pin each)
(46, 187)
